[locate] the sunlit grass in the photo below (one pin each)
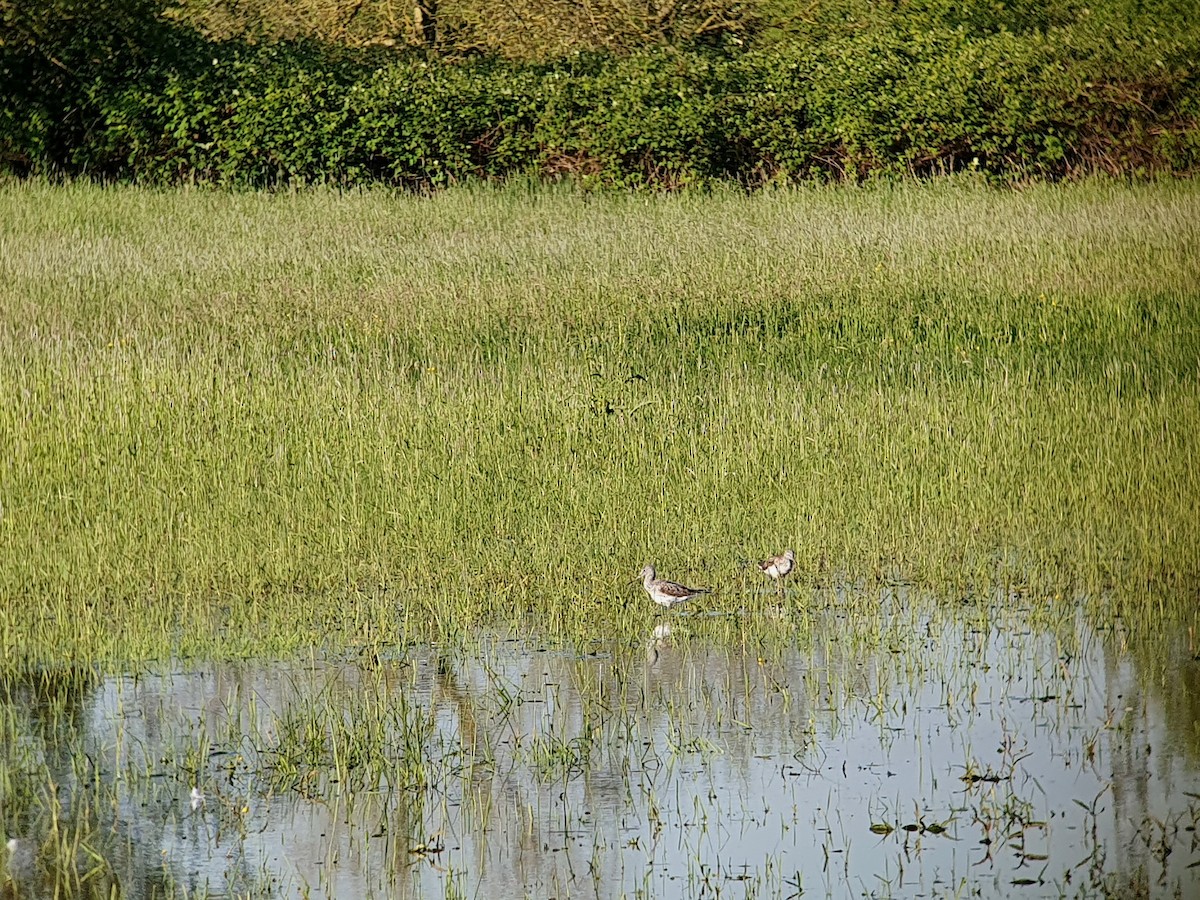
(234, 424)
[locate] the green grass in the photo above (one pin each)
(242, 423)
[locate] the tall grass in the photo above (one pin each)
(241, 422)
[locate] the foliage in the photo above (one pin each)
(547, 29)
(116, 91)
(61, 62)
(519, 29)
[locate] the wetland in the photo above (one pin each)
(321, 516)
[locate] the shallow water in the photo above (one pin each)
(874, 751)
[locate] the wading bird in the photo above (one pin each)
(778, 566)
(667, 593)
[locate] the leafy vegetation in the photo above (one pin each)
(837, 91)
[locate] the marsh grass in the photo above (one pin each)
(237, 424)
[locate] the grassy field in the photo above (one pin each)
(242, 423)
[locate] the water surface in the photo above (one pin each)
(871, 750)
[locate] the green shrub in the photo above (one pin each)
(62, 59)
(933, 88)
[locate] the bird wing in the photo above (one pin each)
(674, 589)
(772, 562)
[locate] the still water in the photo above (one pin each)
(878, 752)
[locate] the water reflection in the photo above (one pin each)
(902, 752)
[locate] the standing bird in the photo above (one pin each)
(667, 593)
(778, 566)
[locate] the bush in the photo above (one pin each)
(61, 59)
(137, 97)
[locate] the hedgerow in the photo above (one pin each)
(916, 95)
